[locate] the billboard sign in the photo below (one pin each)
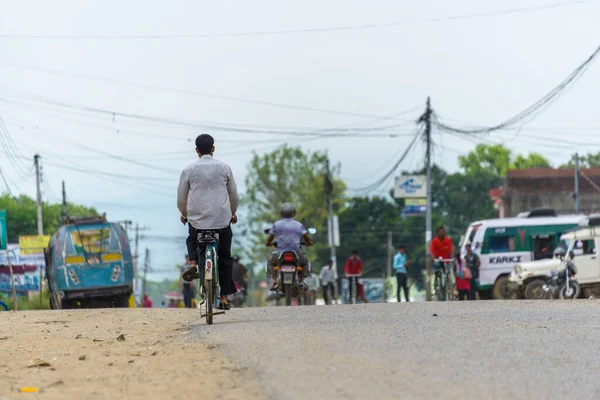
(415, 207)
(3, 231)
(26, 278)
(33, 244)
(410, 186)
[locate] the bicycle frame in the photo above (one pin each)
(208, 243)
(353, 288)
(444, 288)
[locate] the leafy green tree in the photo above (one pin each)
(289, 174)
(21, 215)
(491, 159)
(496, 159)
(585, 161)
(533, 160)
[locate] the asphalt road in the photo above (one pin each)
(470, 350)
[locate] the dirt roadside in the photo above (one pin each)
(115, 354)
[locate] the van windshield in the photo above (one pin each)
(91, 242)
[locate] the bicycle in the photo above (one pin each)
(3, 305)
(444, 285)
(353, 287)
(208, 241)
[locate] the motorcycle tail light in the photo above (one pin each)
(288, 257)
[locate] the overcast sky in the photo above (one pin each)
(478, 71)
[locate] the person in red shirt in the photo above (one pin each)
(463, 285)
(355, 266)
(441, 248)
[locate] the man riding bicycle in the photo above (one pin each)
(207, 199)
(441, 249)
(353, 270)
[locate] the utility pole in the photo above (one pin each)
(136, 255)
(330, 227)
(64, 203)
(146, 267)
(577, 183)
(426, 118)
(40, 222)
(389, 254)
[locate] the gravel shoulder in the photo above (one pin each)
(115, 354)
(458, 350)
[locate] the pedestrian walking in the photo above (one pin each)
(473, 263)
(400, 263)
(328, 279)
(312, 283)
(463, 275)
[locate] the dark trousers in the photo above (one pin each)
(327, 290)
(463, 294)
(224, 257)
(402, 280)
(473, 291)
(188, 295)
(351, 280)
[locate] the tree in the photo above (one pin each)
(491, 159)
(289, 174)
(585, 161)
(533, 160)
(21, 215)
(496, 159)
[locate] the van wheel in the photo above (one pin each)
(504, 289)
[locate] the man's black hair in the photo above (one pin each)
(355, 252)
(401, 247)
(440, 228)
(205, 143)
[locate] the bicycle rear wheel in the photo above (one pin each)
(208, 301)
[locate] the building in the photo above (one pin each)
(527, 189)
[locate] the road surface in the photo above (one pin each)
(459, 350)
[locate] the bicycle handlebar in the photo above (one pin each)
(445, 260)
(353, 275)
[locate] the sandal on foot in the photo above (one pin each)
(191, 274)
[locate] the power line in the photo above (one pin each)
(188, 92)
(295, 31)
(532, 109)
(6, 183)
(385, 178)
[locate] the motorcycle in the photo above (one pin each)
(564, 283)
(290, 277)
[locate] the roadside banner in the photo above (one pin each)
(26, 278)
(413, 186)
(33, 244)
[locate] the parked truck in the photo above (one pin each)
(89, 264)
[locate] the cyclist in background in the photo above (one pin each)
(354, 266)
(441, 248)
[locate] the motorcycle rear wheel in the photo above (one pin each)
(574, 291)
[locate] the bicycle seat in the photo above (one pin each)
(207, 236)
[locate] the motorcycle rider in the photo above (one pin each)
(288, 233)
(207, 198)
(239, 274)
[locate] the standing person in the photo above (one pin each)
(473, 263)
(312, 282)
(187, 288)
(400, 263)
(463, 285)
(354, 266)
(207, 198)
(328, 279)
(147, 303)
